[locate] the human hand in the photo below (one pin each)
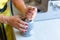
(31, 12)
(16, 22)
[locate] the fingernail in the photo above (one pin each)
(26, 24)
(27, 27)
(25, 31)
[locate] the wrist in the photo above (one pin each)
(3, 19)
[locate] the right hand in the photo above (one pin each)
(16, 22)
(31, 12)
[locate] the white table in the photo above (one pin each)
(43, 30)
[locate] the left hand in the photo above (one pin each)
(31, 12)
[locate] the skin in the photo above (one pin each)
(20, 5)
(15, 21)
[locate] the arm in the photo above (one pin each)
(14, 21)
(20, 5)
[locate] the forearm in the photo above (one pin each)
(20, 5)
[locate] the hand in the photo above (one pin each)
(31, 12)
(16, 22)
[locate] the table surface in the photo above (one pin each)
(43, 30)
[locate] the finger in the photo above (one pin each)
(23, 26)
(17, 26)
(22, 22)
(34, 12)
(30, 12)
(18, 16)
(22, 30)
(29, 16)
(32, 8)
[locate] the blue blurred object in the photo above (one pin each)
(30, 26)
